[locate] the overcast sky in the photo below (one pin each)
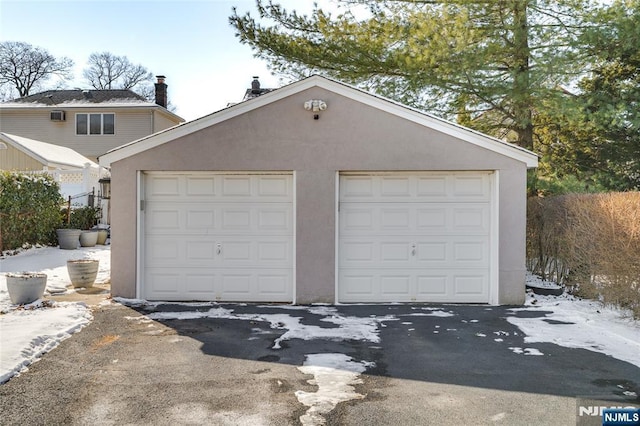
(188, 41)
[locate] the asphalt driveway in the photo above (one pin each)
(240, 365)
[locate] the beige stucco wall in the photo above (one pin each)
(130, 124)
(348, 136)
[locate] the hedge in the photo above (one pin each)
(590, 243)
(29, 209)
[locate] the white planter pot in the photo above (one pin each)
(88, 238)
(26, 287)
(68, 238)
(102, 236)
(82, 272)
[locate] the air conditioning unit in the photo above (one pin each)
(57, 116)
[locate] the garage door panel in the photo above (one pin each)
(471, 284)
(200, 219)
(164, 219)
(395, 252)
(414, 237)
(356, 219)
(210, 236)
(274, 284)
(200, 250)
(274, 219)
(432, 187)
(396, 219)
(274, 187)
(416, 187)
(473, 218)
(200, 284)
(467, 253)
(259, 286)
(396, 286)
(165, 281)
(163, 186)
(396, 186)
(414, 219)
(163, 250)
(357, 286)
(267, 252)
(200, 186)
(434, 286)
(470, 187)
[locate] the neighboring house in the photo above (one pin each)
(91, 122)
(319, 192)
(75, 173)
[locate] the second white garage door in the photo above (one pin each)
(421, 237)
(225, 237)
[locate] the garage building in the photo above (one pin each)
(319, 192)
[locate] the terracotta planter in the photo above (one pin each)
(68, 238)
(88, 238)
(102, 236)
(26, 287)
(82, 272)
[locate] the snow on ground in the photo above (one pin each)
(349, 328)
(29, 331)
(581, 323)
(334, 374)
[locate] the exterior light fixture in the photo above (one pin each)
(105, 187)
(315, 105)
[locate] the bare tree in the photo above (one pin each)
(108, 71)
(24, 67)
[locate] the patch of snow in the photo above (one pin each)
(537, 282)
(349, 328)
(32, 330)
(526, 351)
(29, 333)
(481, 335)
(498, 340)
(433, 313)
(584, 324)
(334, 374)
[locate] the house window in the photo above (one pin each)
(95, 124)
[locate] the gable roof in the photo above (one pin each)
(57, 97)
(375, 101)
(78, 98)
(48, 154)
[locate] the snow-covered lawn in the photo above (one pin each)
(27, 332)
(581, 323)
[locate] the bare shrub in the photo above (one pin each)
(590, 242)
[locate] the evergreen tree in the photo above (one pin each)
(490, 64)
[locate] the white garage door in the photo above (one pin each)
(421, 237)
(225, 237)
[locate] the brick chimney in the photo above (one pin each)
(161, 91)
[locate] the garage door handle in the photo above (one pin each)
(219, 249)
(413, 250)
